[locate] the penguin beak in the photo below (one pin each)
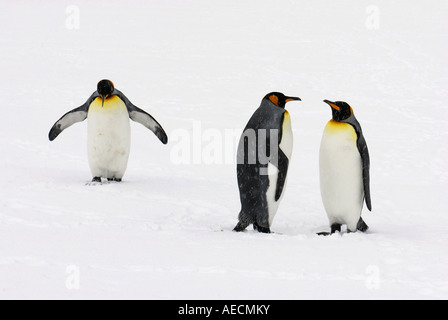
(104, 98)
(331, 104)
(288, 99)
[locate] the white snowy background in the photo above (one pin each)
(201, 68)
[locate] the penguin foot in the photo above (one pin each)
(362, 226)
(95, 182)
(114, 179)
(335, 227)
(261, 229)
(240, 227)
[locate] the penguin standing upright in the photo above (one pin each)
(108, 140)
(264, 152)
(344, 165)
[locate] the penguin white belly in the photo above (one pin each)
(109, 138)
(341, 181)
(286, 145)
(270, 194)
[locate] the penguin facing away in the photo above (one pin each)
(109, 137)
(264, 152)
(344, 166)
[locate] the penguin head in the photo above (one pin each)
(105, 89)
(341, 110)
(279, 99)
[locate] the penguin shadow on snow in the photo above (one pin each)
(103, 182)
(343, 230)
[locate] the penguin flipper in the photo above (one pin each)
(364, 151)
(283, 164)
(138, 115)
(76, 115)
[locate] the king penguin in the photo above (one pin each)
(108, 134)
(344, 165)
(264, 152)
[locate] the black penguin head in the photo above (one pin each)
(279, 99)
(341, 110)
(105, 89)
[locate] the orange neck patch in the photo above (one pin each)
(274, 99)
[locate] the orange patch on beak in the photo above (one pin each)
(334, 106)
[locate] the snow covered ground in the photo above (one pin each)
(201, 68)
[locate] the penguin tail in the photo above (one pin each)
(362, 226)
